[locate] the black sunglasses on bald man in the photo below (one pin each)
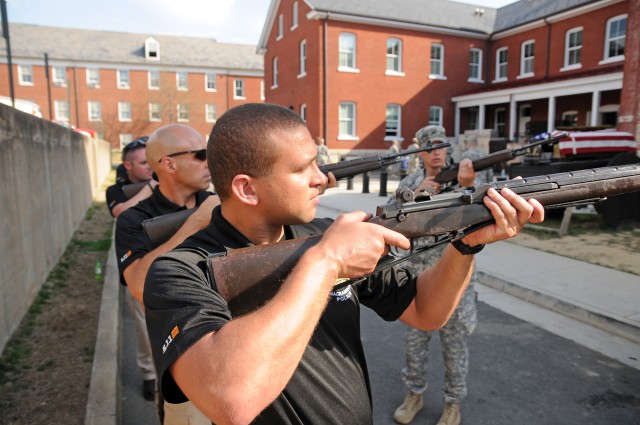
(199, 154)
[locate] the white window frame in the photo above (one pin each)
(25, 75)
(125, 139)
(395, 121)
(210, 80)
(280, 27)
(303, 112)
(502, 65)
(436, 74)
(477, 66)
(59, 76)
(497, 124)
(61, 110)
(275, 73)
(525, 60)
(95, 110)
(569, 50)
(210, 112)
(238, 89)
(395, 58)
(608, 39)
(182, 80)
(475, 111)
(572, 113)
(122, 81)
(124, 111)
(153, 76)
(349, 120)
(294, 15)
(261, 89)
(155, 108)
(152, 49)
(438, 112)
(347, 45)
(93, 78)
(183, 112)
(303, 59)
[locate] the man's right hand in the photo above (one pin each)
(353, 247)
(202, 217)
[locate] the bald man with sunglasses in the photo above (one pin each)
(177, 154)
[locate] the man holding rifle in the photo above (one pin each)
(177, 154)
(298, 358)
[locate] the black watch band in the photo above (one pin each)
(465, 249)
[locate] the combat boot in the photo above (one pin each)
(451, 414)
(409, 408)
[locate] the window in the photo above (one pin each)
(125, 139)
(124, 111)
(123, 78)
(151, 49)
(294, 16)
(93, 77)
(238, 89)
(303, 112)
(347, 121)
(573, 49)
(153, 80)
(181, 80)
(303, 58)
(394, 56)
(210, 82)
(501, 64)
(210, 112)
(154, 111)
(392, 125)
(61, 108)
(615, 38)
(183, 112)
(437, 61)
(280, 26)
(25, 75)
(95, 111)
(500, 121)
(59, 74)
(261, 89)
(472, 119)
(275, 73)
(526, 59)
(475, 65)
(435, 115)
(347, 51)
(570, 118)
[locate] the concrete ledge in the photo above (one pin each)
(599, 320)
(103, 402)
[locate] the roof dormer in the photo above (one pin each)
(151, 49)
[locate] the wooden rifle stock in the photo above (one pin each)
(248, 277)
(131, 190)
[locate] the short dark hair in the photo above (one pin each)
(241, 142)
(139, 143)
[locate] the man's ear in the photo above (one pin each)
(167, 164)
(244, 190)
(127, 165)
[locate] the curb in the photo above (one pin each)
(102, 403)
(601, 321)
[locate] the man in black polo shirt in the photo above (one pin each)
(298, 359)
(136, 170)
(177, 154)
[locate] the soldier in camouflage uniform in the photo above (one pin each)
(454, 334)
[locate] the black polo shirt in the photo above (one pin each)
(331, 383)
(131, 242)
(115, 195)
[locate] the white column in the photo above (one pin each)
(551, 114)
(595, 105)
(456, 124)
(481, 113)
(513, 113)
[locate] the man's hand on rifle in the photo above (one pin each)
(202, 217)
(510, 212)
(466, 173)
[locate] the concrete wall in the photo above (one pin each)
(48, 177)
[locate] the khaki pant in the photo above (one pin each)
(183, 414)
(144, 358)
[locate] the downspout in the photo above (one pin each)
(546, 71)
(324, 77)
(75, 94)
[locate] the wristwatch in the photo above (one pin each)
(465, 249)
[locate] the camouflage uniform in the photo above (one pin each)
(453, 335)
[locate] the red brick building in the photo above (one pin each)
(363, 73)
(125, 85)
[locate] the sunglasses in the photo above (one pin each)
(138, 143)
(199, 154)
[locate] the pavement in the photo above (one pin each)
(595, 306)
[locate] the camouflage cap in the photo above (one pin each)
(431, 133)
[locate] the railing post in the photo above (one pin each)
(365, 183)
(383, 184)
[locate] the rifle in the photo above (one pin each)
(450, 174)
(131, 190)
(160, 229)
(248, 277)
(353, 167)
